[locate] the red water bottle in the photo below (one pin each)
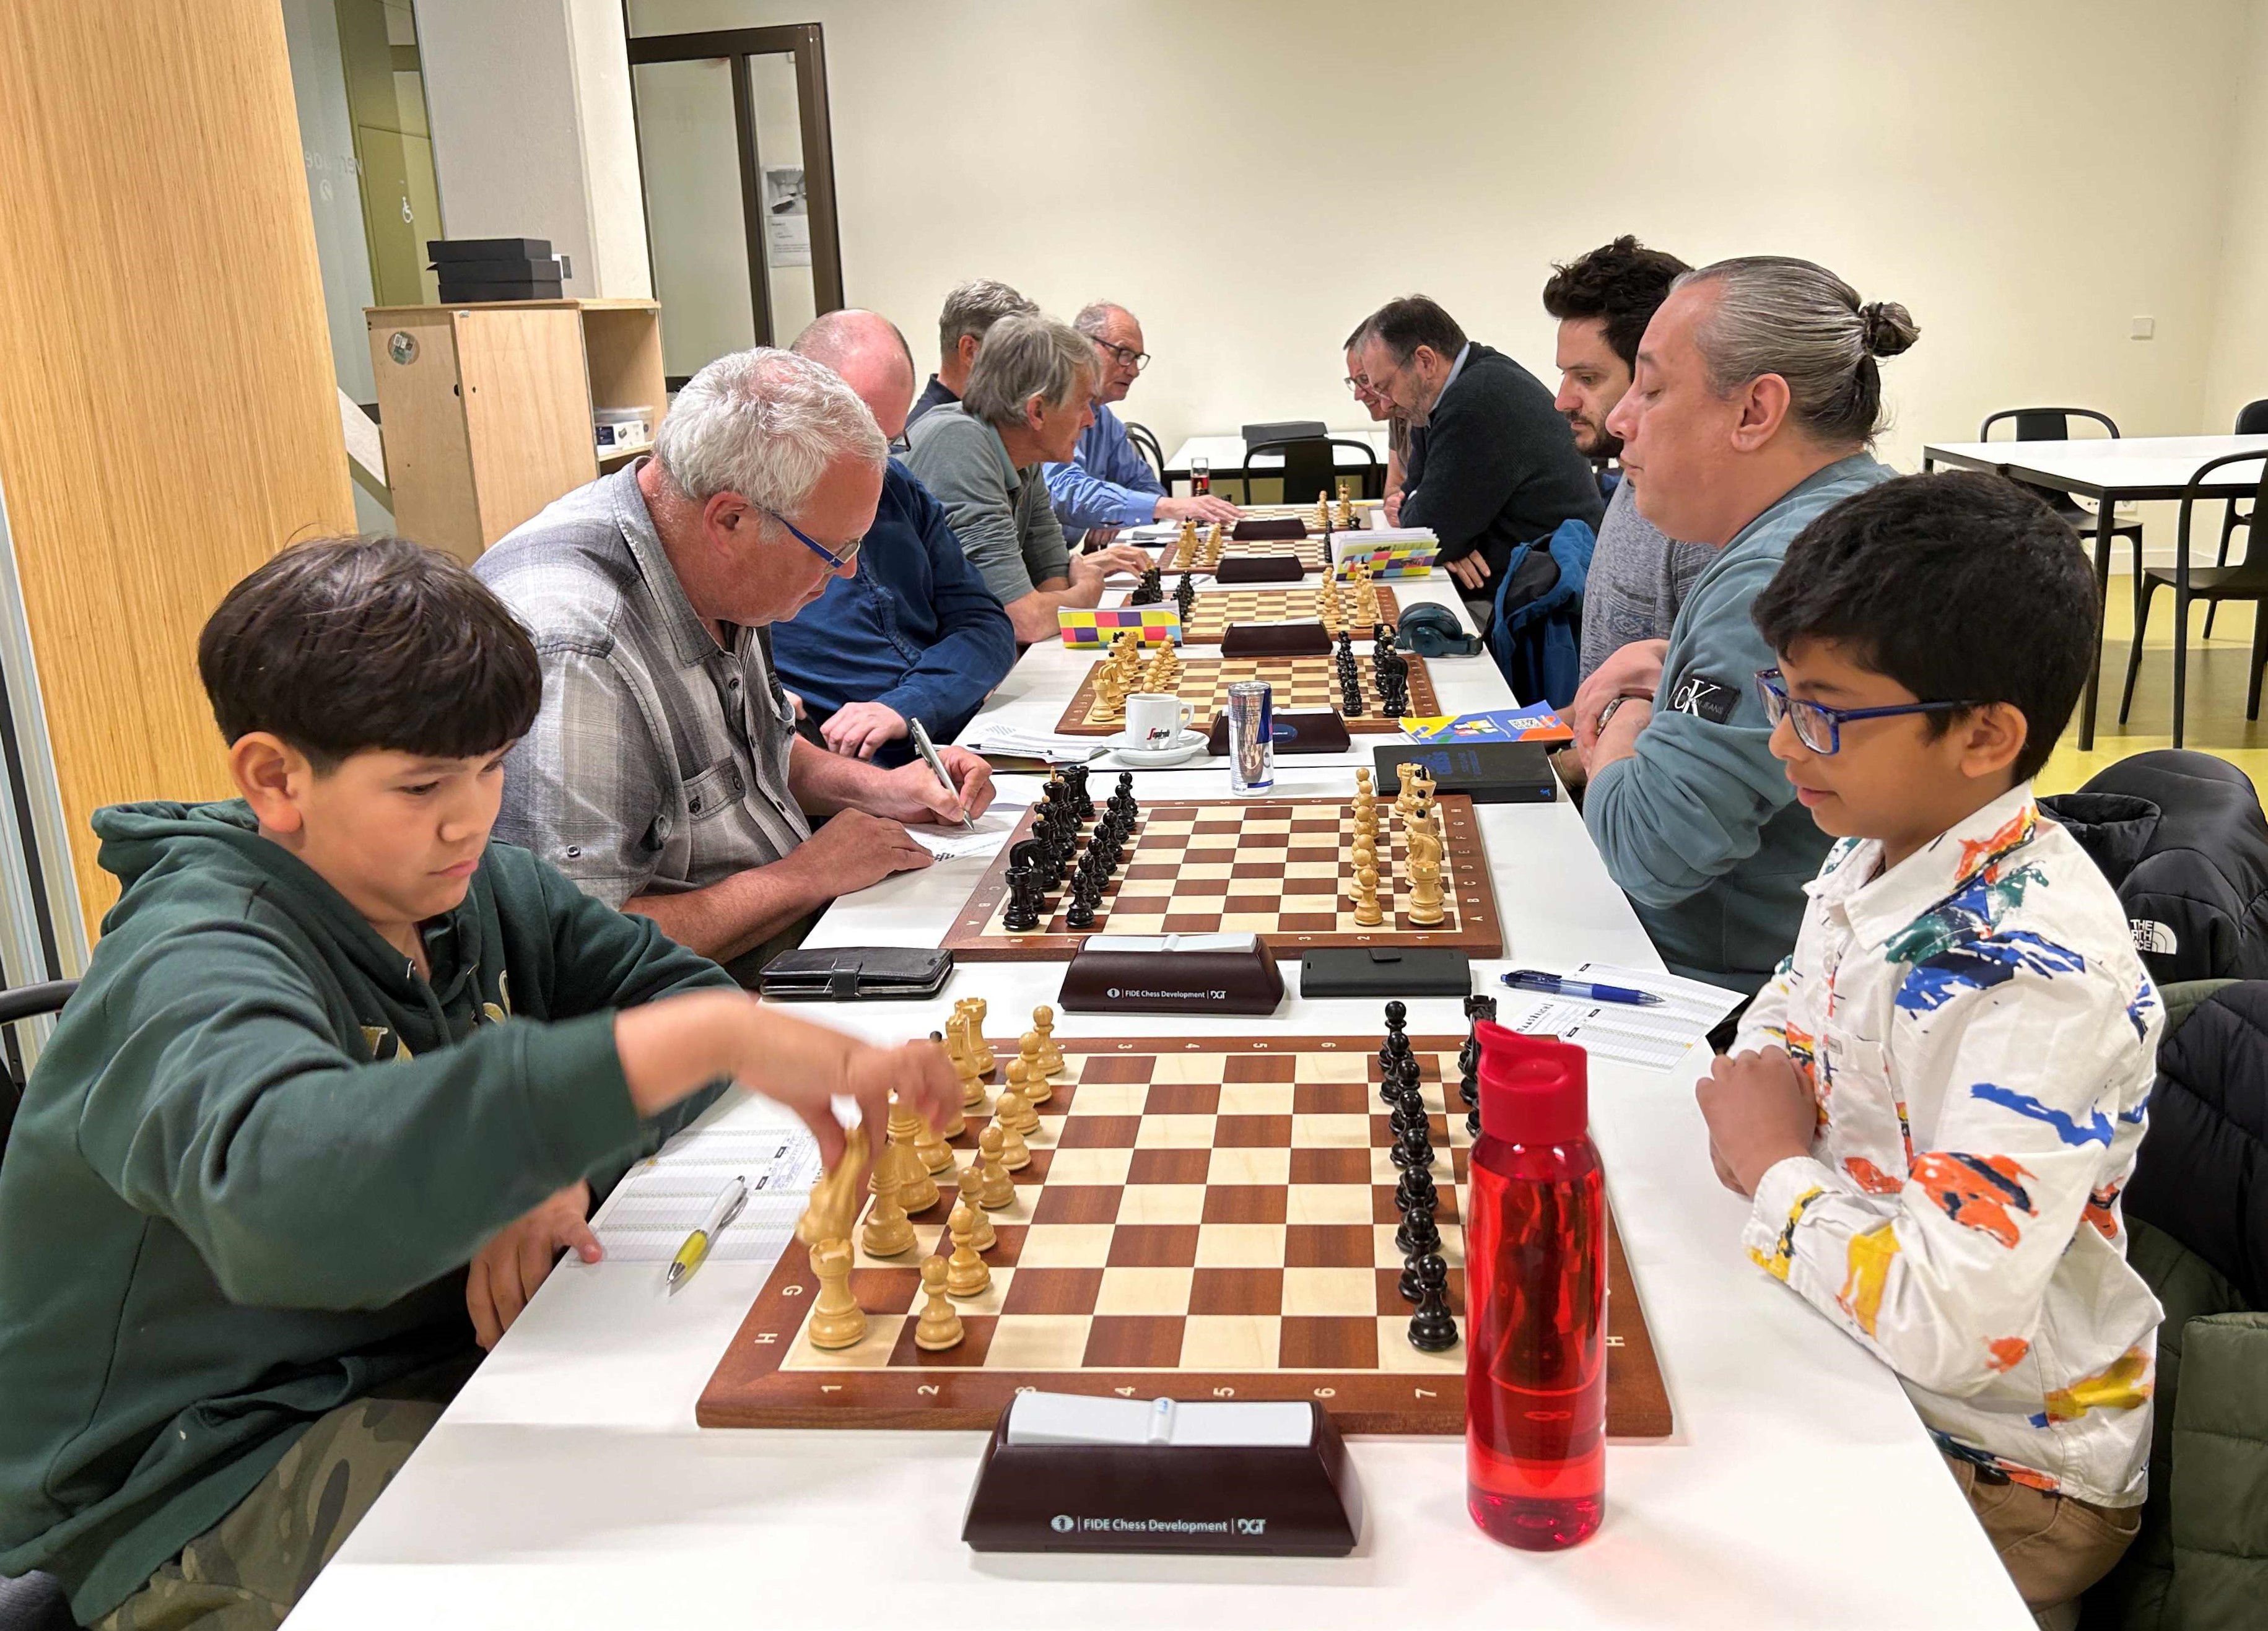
(1536, 1268)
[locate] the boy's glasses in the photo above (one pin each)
(1819, 727)
(838, 561)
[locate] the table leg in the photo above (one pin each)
(2102, 600)
(2181, 628)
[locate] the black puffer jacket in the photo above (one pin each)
(2202, 1172)
(2182, 839)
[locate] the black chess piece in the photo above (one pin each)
(1185, 596)
(1023, 915)
(1080, 913)
(1416, 1148)
(1410, 1285)
(1416, 1188)
(1149, 590)
(1346, 647)
(1081, 805)
(1432, 1329)
(1419, 1233)
(1126, 791)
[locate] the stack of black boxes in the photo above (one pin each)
(496, 268)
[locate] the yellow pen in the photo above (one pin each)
(690, 1256)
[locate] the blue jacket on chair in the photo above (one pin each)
(1538, 643)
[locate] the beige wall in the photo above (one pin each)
(2027, 175)
(2237, 373)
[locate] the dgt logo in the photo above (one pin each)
(1062, 1523)
(1251, 1525)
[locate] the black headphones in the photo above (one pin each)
(1432, 631)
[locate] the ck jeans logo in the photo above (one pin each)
(1711, 699)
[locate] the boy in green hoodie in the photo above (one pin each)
(341, 1080)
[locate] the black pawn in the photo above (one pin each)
(1415, 1147)
(1419, 1234)
(1081, 914)
(1185, 595)
(1433, 1330)
(1416, 1189)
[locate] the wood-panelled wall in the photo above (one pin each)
(168, 418)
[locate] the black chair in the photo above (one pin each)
(18, 1004)
(2053, 424)
(2252, 420)
(2247, 580)
(33, 1602)
(1311, 470)
(1145, 443)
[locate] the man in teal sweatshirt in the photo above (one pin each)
(1755, 399)
(342, 1078)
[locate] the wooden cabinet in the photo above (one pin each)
(487, 410)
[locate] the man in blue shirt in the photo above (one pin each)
(1107, 485)
(914, 634)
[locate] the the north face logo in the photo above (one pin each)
(2154, 937)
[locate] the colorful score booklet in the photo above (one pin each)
(1538, 723)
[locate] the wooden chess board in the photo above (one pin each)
(1216, 610)
(1304, 684)
(1205, 1219)
(1311, 551)
(1282, 869)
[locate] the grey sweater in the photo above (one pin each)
(1638, 580)
(1001, 515)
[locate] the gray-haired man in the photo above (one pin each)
(664, 775)
(1107, 485)
(1030, 393)
(970, 310)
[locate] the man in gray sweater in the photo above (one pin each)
(1756, 397)
(1637, 578)
(1030, 392)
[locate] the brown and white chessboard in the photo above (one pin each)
(1281, 869)
(1303, 684)
(1203, 1219)
(1217, 610)
(1311, 550)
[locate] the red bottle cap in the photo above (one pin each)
(1535, 1089)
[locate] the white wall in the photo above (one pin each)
(529, 102)
(1252, 178)
(2238, 370)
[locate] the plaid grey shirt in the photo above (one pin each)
(659, 761)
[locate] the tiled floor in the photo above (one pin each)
(2217, 683)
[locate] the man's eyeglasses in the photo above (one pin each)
(838, 561)
(1127, 356)
(1361, 387)
(1819, 727)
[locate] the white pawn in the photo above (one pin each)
(939, 1326)
(972, 1192)
(966, 1274)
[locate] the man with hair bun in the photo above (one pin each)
(664, 774)
(1758, 395)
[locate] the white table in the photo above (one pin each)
(1226, 454)
(568, 1485)
(1034, 696)
(2122, 470)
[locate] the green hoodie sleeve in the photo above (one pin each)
(305, 1177)
(607, 960)
(1691, 803)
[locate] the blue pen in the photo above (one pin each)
(1584, 990)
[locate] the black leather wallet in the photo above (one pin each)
(1386, 971)
(857, 973)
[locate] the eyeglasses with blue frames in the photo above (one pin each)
(1819, 727)
(838, 561)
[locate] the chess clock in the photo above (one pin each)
(1227, 974)
(1073, 1473)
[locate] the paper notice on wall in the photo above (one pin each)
(787, 216)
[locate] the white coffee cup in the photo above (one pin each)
(1154, 720)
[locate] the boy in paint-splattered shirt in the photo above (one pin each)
(1936, 1100)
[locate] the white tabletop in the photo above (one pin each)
(569, 1487)
(1227, 452)
(2132, 467)
(1034, 696)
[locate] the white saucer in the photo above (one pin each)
(1192, 743)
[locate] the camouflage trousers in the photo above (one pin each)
(246, 1572)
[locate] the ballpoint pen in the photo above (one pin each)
(1583, 990)
(927, 749)
(689, 1257)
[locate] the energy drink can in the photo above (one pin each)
(1251, 737)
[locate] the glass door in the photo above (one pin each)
(738, 166)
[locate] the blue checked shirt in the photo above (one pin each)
(1107, 483)
(916, 630)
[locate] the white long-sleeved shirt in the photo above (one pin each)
(1982, 1040)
